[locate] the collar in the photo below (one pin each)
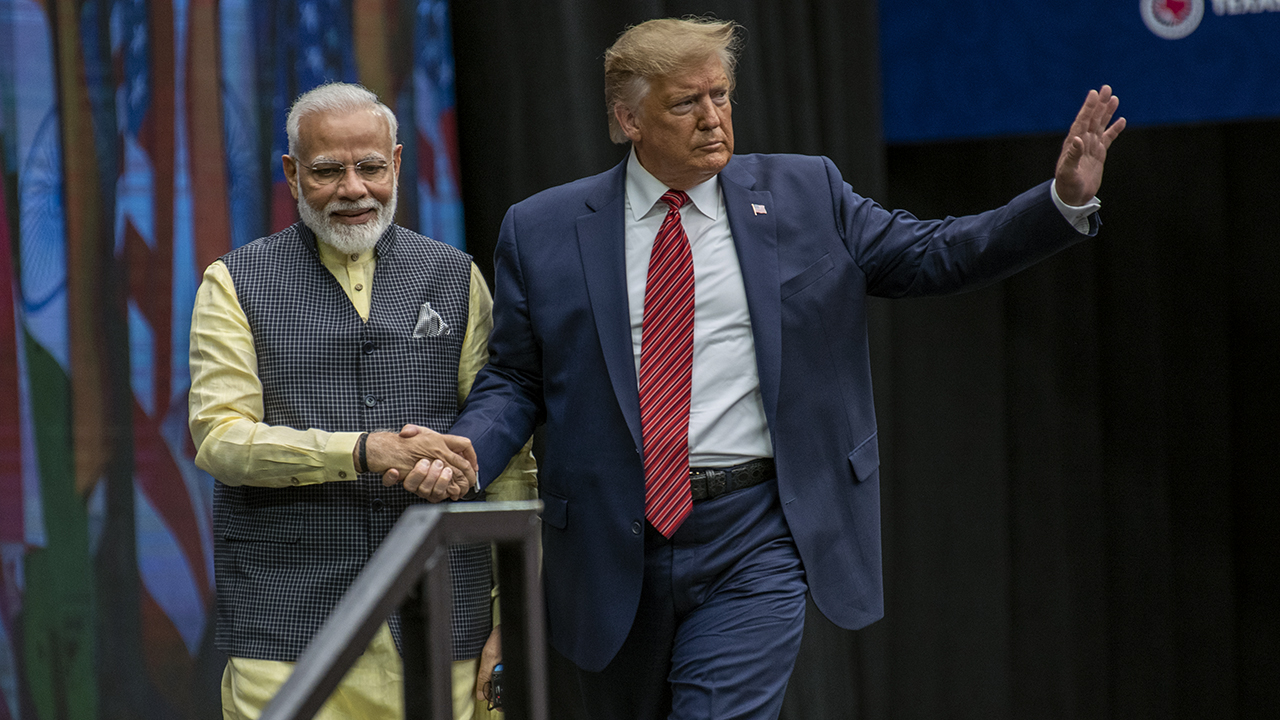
(644, 191)
(329, 253)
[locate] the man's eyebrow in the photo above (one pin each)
(327, 159)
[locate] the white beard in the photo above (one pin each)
(348, 239)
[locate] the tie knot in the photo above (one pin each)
(675, 198)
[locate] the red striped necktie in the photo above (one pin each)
(666, 372)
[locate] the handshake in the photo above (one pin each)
(428, 464)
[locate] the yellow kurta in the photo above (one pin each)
(237, 448)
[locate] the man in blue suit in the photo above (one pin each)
(690, 328)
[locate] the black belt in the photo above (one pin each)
(706, 483)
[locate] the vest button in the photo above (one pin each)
(635, 527)
(370, 401)
(377, 504)
(368, 347)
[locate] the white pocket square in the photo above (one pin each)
(430, 324)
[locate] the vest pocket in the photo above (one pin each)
(273, 523)
(430, 324)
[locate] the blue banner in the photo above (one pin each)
(1014, 67)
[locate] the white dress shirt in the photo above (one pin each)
(726, 414)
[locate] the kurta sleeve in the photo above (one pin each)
(226, 408)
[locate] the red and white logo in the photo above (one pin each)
(1172, 19)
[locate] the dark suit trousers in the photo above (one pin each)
(720, 619)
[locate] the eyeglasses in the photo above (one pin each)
(493, 701)
(327, 172)
(493, 688)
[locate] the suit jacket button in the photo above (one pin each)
(635, 527)
(377, 504)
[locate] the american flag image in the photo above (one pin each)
(140, 141)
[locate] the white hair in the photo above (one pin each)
(335, 97)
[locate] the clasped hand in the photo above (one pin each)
(429, 464)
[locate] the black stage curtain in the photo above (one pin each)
(1081, 486)
(1078, 463)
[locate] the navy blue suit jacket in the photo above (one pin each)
(561, 354)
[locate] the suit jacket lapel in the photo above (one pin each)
(602, 243)
(755, 234)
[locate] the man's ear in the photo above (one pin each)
(291, 174)
(395, 160)
(628, 120)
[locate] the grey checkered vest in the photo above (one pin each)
(284, 556)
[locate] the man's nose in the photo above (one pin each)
(351, 185)
(708, 115)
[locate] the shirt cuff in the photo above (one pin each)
(338, 463)
(1077, 216)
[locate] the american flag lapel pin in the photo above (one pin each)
(758, 209)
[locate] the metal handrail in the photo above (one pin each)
(414, 557)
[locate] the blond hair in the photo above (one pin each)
(663, 48)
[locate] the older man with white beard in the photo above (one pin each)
(304, 365)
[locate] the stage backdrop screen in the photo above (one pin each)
(965, 70)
